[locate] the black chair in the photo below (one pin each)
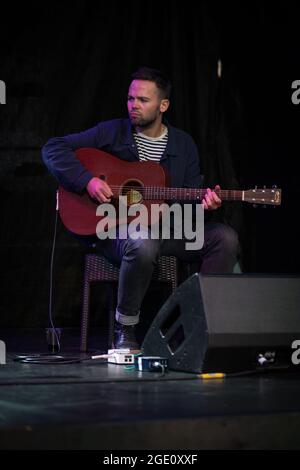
(99, 269)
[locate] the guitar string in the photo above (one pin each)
(187, 193)
(163, 188)
(178, 191)
(166, 188)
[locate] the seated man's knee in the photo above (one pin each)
(229, 239)
(224, 237)
(146, 250)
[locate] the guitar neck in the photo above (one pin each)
(190, 194)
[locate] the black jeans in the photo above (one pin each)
(137, 260)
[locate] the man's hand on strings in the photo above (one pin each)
(99, 190)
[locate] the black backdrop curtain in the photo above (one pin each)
(67, 66)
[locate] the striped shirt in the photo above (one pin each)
(151, 148)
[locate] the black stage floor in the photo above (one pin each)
(95, 405)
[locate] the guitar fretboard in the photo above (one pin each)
(183, 194)
(189, 194)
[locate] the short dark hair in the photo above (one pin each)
(156, 76)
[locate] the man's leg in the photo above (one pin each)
(220, 250)
(137, 259)
(218, 254)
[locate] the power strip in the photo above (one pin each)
(120, 356)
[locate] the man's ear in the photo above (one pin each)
(164, 104)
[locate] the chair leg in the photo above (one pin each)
(85, 316)
(174, 276)
(112, 303)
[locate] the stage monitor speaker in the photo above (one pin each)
(227, 323)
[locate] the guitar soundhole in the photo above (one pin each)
(133, 190)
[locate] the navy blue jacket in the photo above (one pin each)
(180, 157)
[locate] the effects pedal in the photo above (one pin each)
(151, 364)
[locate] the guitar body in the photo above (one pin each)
(78, 212)
(139, 182)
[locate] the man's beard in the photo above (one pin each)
(143, 123)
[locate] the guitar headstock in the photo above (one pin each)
(263, 196)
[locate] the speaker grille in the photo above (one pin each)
(242, 304)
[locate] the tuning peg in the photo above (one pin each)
(264, 187)
(255, 206)
(264, 206)
(274, 186)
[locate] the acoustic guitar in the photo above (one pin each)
(139, 182)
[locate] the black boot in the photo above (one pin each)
(124, 337)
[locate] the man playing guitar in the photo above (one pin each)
(145, 136)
